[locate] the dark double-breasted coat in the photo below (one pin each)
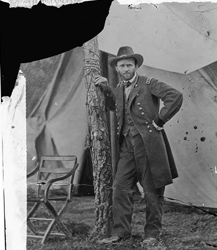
(144, 105)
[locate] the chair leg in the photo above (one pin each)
(33, 209)
(31, 212)
(57, 219)
(54, 221)
(31, 227)
(48, 231)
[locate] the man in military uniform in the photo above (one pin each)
(145, 154)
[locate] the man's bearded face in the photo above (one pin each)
(126, 68)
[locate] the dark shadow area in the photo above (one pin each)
(51, 31)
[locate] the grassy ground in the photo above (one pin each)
(183, 228)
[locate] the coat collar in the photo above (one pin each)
(133, 93)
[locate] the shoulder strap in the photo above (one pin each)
(148, 81)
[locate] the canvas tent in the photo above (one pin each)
(58, 123)
(176, 37)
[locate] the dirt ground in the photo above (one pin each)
(183, 228)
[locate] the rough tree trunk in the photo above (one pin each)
(98, 142)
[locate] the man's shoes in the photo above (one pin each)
(150, 242)
(111, 240)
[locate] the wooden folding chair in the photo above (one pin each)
(54, 184)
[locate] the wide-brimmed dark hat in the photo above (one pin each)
(125, 53)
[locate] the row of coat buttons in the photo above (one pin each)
(140, 108)
(116, 111)
(148, 127)
(117, 115)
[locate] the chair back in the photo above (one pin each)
(56, 174)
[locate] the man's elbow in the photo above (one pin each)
(180, 98)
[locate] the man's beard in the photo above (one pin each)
(127, 76)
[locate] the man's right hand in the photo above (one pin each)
(101, 81)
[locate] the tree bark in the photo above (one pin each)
(99, 142)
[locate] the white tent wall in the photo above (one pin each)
(192, 136)
(58, 125)
(176, 37)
